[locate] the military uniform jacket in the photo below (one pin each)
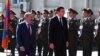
(88, 28)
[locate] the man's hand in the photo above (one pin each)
(22, 48)
(51, 46)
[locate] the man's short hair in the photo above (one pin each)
(59, 8)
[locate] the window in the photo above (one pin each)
(15, 1)
(21, 0)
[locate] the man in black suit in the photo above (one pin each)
(26, 38)
(58, 33)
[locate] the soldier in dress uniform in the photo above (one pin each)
(44, 32)
(51, 14)
(87, 29)
(12, 32)
(21, 16)
(97, 33)
(35, 22)
(44, 24)
(39, 40)
(1, 31)
(73, 29)
(34, 19)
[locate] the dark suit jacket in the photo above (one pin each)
(58, 34)
(23, 37)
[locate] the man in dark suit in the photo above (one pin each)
(58, 33)
(26, 38)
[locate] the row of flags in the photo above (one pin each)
(5, 38)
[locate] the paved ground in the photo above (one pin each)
(79, 53)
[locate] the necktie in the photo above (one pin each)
(61, 22)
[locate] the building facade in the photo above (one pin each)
(40, 5)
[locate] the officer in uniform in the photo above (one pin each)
(44, 24)
(39, 39)
(21, 16)
(12, 32)
(73, 29)
(87, 29)
(35, 22)
(1, 31)
(97, 33)
(44, 32)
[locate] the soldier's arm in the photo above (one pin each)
(80, 28)
(95, 27)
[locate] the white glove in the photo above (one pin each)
(13, 36)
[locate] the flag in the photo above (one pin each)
(5, 38)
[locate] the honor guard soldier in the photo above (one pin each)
(73, 29)
(21, 19)
(35, 22)
(97, 33)
(44, 24)
(87, 29)
(12, 32)
(34, 19)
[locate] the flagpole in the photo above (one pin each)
(7, 21)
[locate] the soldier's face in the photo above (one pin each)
(45, 15)
(74, 15)
(84, 14)
(51, 14)
(33, 15)
(11, 16)
(21, 15)
(38, 15)
(70, 14)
